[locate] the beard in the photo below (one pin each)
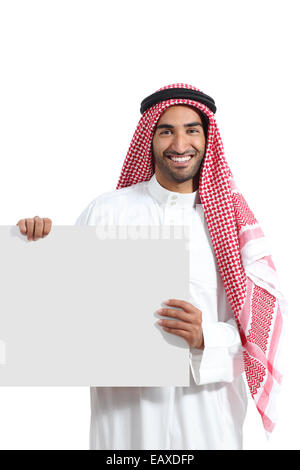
(179, 175)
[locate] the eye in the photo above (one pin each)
(189, 130)
(165, 131)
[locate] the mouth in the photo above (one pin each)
(180, 161)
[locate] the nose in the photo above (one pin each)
(180, 143)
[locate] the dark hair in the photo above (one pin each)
(205, 122)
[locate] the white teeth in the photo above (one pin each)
(180, 159)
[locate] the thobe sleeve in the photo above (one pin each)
(222, 357)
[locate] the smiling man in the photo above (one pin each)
(200, 416)
(175, 173)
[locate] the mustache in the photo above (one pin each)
(167, 154)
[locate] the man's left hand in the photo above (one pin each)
(190, 326)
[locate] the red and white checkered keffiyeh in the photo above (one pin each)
(244, 261)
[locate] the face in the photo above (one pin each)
(178, 148)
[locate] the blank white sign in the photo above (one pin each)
(80, 310)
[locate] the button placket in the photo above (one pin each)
(170, 216)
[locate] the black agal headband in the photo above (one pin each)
(177, 93)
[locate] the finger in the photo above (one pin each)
(184, 334)
(22, 226)
(187, 306)
(47, 226)
(170, 312)
(30, 228)
(38, 228)
(177, 325)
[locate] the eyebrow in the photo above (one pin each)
(169, 126)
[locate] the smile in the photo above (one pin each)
(180, 161)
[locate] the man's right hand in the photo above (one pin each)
(35, 228)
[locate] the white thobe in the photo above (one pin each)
(209, 414)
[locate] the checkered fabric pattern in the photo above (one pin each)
(249, 279)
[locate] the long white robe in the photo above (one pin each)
(209, 414)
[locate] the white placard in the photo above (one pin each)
(78, 309)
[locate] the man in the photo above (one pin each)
(175, 173)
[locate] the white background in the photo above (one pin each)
(73, 74)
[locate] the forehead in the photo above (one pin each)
(179, 114)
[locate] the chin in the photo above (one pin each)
(182, 179)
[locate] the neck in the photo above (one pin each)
(185, 187)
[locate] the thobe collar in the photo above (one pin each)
(164, 196)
